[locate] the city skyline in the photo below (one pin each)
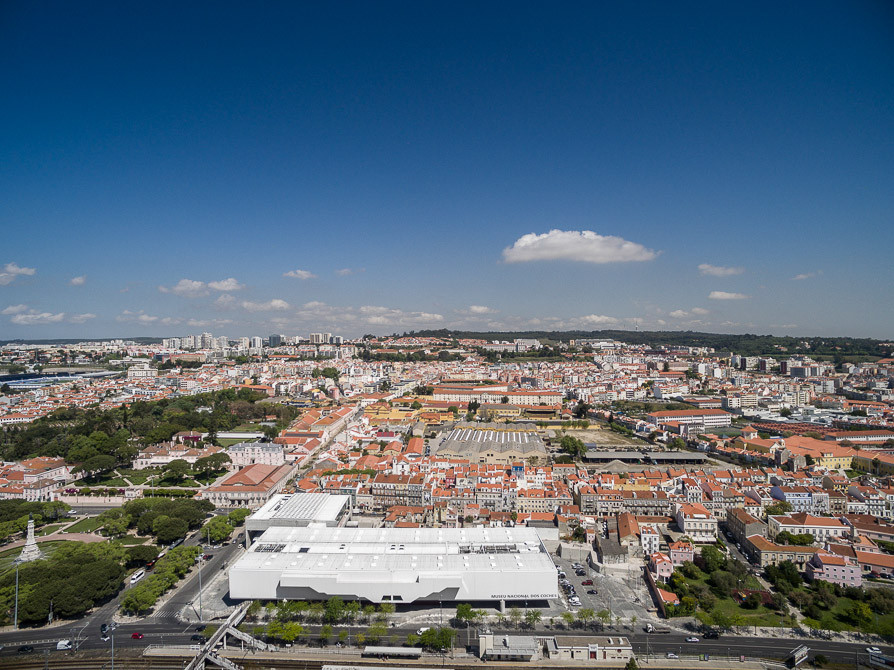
(376, 169)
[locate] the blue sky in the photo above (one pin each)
(165, 166)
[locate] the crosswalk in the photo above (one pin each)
(169, 615)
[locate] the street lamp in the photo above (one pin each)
(201, 617)
(15, 622)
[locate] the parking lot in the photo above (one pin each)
(621, 592)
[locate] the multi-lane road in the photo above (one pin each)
(163, 627)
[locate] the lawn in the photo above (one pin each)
(46, 530)
(167, 483)
(229, 442)
(87, 525)
(741, 616)
(836, 619)
(136, 477)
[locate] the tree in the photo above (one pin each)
(779, 508)
(464, 613)
(96, 465)
(335, 609)
(140, 554)
(167, 529)
(572, 446)
(114, 522)
(533, 617)
(712, 558)
(212, 463)
(237, 516)
(325, 634)
(504, 400)
(860, 614)
(568, 618)
(217, 529)
(631, 664)
(177, 470)
(515, 615)
(581, 409)
(752, 601)
(604, 617)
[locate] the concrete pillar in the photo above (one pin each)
(502, 606)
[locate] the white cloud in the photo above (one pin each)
(192, 288)
(299, 274)
(724, 295)
(228, 284)
(481, 309)
(78, 281)
(11, 271)
(128, 316)
(719, 270)
(81, 318)
(597, 320)
(375, 315)
(344, 272)
(189, 288)
(682, 313)
(806, 275)
(33, 318)
(576, 245)
(15, 309)
(225, 301)
(270, 306)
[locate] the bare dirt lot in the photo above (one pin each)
(604, 438)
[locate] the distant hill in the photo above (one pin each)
(747, 344)
(138, 340)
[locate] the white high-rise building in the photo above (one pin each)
(257, 342)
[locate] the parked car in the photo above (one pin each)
(587, 582)
(593, 592)
(136, 636)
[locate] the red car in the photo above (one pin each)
(587, 582)
(136, 636)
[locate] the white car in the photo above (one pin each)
(692, 639)
(671, 654)
(873, 650)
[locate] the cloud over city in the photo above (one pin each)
(192, 288)
(725, 295)
(300, 274)
(718, 270)
(576, 245)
